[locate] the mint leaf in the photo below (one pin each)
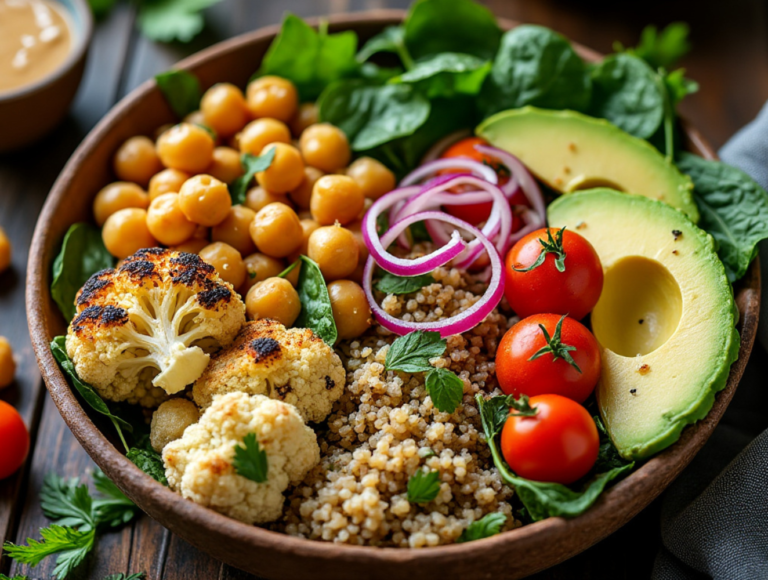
(423, 486)
(182, 91)
(392, 284)
(169, 20)
(445, 388)
(251, 460)
(487, 526)
(411, 353)
(251, 165)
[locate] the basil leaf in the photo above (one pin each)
(182, 91)
(536, 66)
(149, 461)
(251, 165)
(625, 91)
(250, 460)
(447, 73)
(487, 526)
(391, 39)
(411, 353)
(733, 208)
(82, 254)
(436, 26)
(392, 284)
(372, 115)
(316, 312)
(310, 59)
(445, 389)
(423, 486)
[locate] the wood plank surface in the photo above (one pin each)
(730, 61)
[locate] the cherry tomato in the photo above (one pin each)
(15, 440)
(559, 444)
(567, 364)
(567, 280)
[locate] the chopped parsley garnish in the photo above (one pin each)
(423, 486)
(251, 460)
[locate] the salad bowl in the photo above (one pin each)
(269, 554)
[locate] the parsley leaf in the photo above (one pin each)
(149, 461)
(393, 284)
(70, 545)
(137, 576)
(411, 353)
(17, 577)
(181, 89)
(445, 388)
(168, 20)
(423, 486)
(67, 503)
(252, 165)
(487, 526)
(251, 460)
(114, 509)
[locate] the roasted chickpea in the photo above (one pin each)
(260, 133)
(125, 232)
(5, 251)
(224, 109)
(191, 246)
(272, 96)
(167, 181)
(351, 311)
(116, 196)
(166, 222)
(205, 200)
(305, 116)
(336, 198)
(235, 230)
(170, 420)
(226, 165)
(335, 250)
(186, 147)
(286, 170)
(273, 298)
(303, 193)
(258, 197)
(136, 160)
(356, 227)
(325, 147)
(196, 118)
(7, 364)
(276, 230)
(372, 176)
(227, 261)
(260, 267)
(308, 226)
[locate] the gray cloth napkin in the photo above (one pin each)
(714, 518)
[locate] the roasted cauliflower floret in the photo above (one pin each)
(292, 365)
(151, 323)
(200, 465)
(169, 421)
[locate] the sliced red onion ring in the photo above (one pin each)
(433, 167)
(462, 322)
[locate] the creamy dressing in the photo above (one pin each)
(35, 39)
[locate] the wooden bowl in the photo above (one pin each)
(269, 554)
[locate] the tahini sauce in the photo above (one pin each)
(35, 39)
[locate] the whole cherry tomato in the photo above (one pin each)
(552, 270)
(14, 438)
(558, 444)
(548, 354)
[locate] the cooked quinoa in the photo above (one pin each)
(384, 427)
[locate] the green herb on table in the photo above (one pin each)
(251, 460)
(423, 486)
(182, 91)
(137, 576)
(252, 165)
(169, 20)
(316, 311)
(398, 285)
(487, 526)
(82, 255)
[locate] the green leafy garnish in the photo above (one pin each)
(67, 503)
(391, 39)
(607, 456)
(100, 9)
(392, 284)
(316, 311)
(251, 166)
(70, 546)
(446, 74)
(113, 508)
(251, 460)
(549, 246)
(182, 91)
(168, 20)
(137, 576)
(411, 353)
(555, 346)
(82, 255)
(518, 407)
(423, 486)
(665, 48)
(487, 526)
(445, 388)
(149, 461)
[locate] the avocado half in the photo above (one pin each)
(665, 319)
(571, 152)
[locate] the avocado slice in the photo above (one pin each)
(665, 319)
(571, 152)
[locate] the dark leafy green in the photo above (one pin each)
(113, 508)
(391, 39)
(663, 49)
(100, 9)
(149, 461)
(608, 456)
(82, 255)
(182, 91)
(733, 208)
(411, 353)
(445, 389)
(169, 20)
(70, 546)
(251, 460)
(137, 576)
(487, 526)
(392, 284)
(67, 502)
(251, 165)
(423, 486)
(446, 74)
(316, 312)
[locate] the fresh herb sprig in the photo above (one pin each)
(252, 165)
(487, 526)
(423, 486)
(398, 285)
(251, 460)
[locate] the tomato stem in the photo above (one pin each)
(549, 246)
(556, 346)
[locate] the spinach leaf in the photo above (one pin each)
(423, 486)
(392, 284)
(607, 456)
(372, 115)
(447, 73)
(149, 461)
(251, 165)
(487, 526)
(625, 91)
(436, 26)
(316, 312)
(733, 208)
(445, 389)
(411, 353)
(82, 255)
(391, 39)
(378, 74)
(536, 66)
(310, 59)
(86, 391)
(182, 91)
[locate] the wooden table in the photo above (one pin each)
(730, 61)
